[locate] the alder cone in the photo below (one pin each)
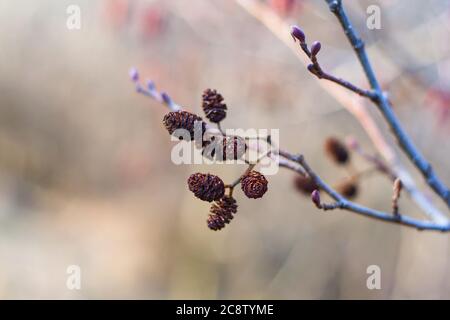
(254, 185)
(305, 184)
(215, 110)
(184, 120)
(215, 222)
(222, 213)
(225, 148)
(348, 189)
(336, 150)
(233, 148)
(206, 187)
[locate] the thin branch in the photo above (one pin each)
(385, 107)
(317, 70)
(344, 204)
(353, 104)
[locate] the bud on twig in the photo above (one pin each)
(315, 197)
(206, 187)
(297, 34)
(315, 48)
(166, 98)
(134, 75)
(151, 85)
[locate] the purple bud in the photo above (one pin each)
(139, 88)
(310, 68)
(315, 197)
(166, 98)
(315, 48)
(134, 74)
(151, 85)
(297, 33)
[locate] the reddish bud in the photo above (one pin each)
(297, 33)
(315, 197)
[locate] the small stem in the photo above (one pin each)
(317, 70)
(219, 126)
(238, 180)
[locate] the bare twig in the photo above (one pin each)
(317, 70)
(344, 204)
(354, 104)
(385, 107)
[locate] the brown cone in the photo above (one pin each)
(254, 185)
(225, 148)
(215, 222)
(348, 189)
(305, 184)
(206, 187)
(183, 120)
(213, 107)
(222, 213)
(336, 150)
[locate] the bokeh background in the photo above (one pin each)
(86, 177)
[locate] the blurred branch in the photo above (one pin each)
(385, 107)
(354, 104)
(344, 204)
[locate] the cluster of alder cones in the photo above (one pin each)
(209, 187)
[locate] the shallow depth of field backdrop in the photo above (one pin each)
(85, 171)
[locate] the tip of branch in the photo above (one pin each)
(315, 48)
(166, 98)
(298, 34)
(134, 75)
(151, 85)
(315, 198)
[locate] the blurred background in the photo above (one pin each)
(86, 177)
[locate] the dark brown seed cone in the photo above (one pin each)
(348, 189)
(213, 107)
(254, 185)
(222, 213)
(206, 187)
(233, 148)
(224, 148)
(305, 184)
(184, 120)
(215, 222)
(336, 150)
(225, 207)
